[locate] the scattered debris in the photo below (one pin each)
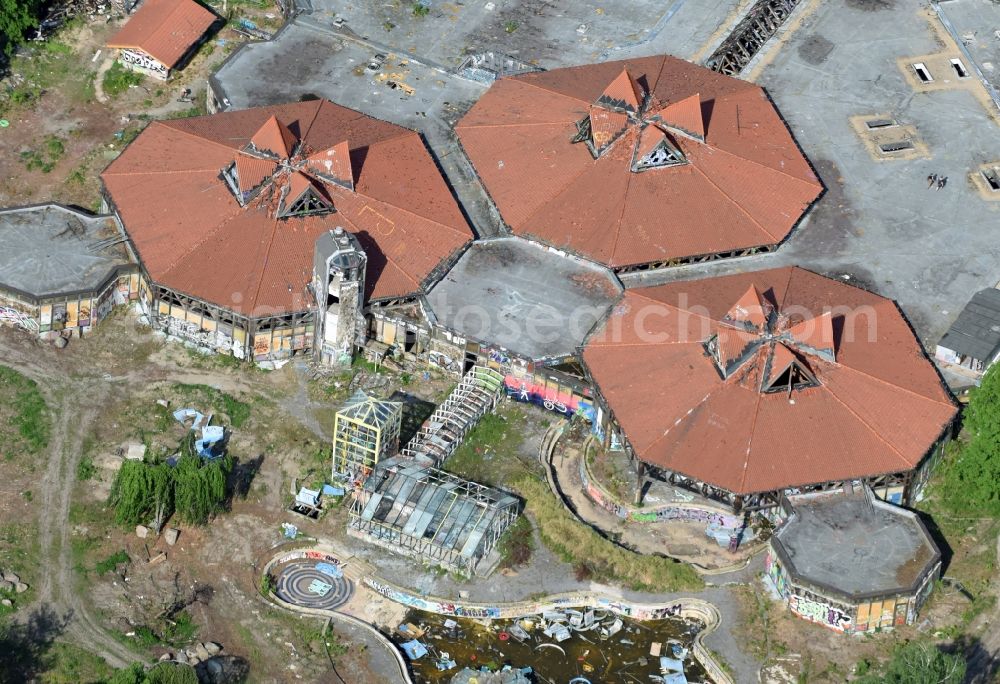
(135, 451)
(414, 649)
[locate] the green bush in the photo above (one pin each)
(970, 471)
(919, 663)
(111, 562)
(118, 79)
(85, 469)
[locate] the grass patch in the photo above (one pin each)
(25, 424)
(65, 663)
(111, 562)
(604, 561)
(175, 632)
(492, 451)
(209, 398)
(41, 67)
(46, 157)
(118, 79)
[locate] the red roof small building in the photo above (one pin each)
(646, 161)
(759, 382)
(226, 209)
(161, 34)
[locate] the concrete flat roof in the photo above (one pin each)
(854, 548)
(534, 301)
(49, 249)
(879, 225)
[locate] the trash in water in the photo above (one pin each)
(559, 646)
(414, 649)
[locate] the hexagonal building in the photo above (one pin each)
(852, 563)
(639, 163)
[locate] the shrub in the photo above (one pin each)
(111, 562)
(118, 79)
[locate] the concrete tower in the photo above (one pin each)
(339, 286)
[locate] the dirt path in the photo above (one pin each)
(99, 79)
(74, 403)
(75, 395)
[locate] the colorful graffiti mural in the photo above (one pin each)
(655, 515)
(623, 608)
(823, 613)
(568, 404)
(776, 574)
(14, 317)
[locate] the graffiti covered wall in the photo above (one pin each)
(675, 511)
(524, 608)
(834, 616)
(11, 316)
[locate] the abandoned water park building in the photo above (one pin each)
(312, 229)
(230, 217)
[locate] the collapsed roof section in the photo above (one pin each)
(639, 161)
(763, 381)
(227, 208)
(419, 510)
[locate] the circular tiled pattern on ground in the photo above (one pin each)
(302, 583)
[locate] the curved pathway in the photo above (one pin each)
(678, 539)
(688, 607)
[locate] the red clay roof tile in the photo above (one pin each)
(623, 90)
(685, 115)
(877, 409)
(193, 236)
(745, 185)
(164, 29)
(274, 138)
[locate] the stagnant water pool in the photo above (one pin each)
(631, 655)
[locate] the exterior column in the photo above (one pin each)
(640, 477)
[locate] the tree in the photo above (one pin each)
(919, 663)
(968, 482)
(142, 491)
(200, 488)
(16, 17)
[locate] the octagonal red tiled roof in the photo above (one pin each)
(175, 189)
(762, 381)
(737, 179)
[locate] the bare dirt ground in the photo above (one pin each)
(61, 135)
(102, 392)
